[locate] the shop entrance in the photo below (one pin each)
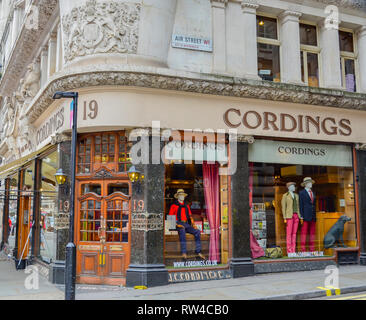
(103, 231)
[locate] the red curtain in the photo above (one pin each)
(211, 189)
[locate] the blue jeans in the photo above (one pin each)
(182, 236)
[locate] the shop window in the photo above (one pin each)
(268, 48)
(203, 194)
(309, 55)
(124, 157)
(346, 46)
(48, 207)
(104, 149)
(12, 221)
(272, 214)
(84, 155)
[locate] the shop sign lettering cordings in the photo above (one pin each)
(190, 276)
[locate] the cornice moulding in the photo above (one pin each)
(193, 83)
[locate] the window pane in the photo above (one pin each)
(266, 27)
(269, 62)
(345, 41)
(313, 70)
(350, 76)
(308, 35)
(302, 66)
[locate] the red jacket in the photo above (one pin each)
(184, 216)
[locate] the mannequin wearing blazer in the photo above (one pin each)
(308, 212)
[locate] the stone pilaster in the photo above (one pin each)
(249, 33)
(330, 55)
(44, 65)
(219, 35)
(147, 243)
(52, 53)
(241, 263)
(290, 51)
(361, 35)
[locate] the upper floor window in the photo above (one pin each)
(309, 55)
(268, 47)
(348, 70)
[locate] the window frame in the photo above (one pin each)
(273, 42)
(345, 55)
(304, 48)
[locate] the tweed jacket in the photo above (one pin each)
(287, 204)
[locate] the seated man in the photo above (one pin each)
(185, 223)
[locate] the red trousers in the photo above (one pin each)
(291, 230)
(308, 228)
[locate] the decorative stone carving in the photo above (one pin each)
(60, 137)
(361, 146)
(354, 4)
(106, 27)
(31, 82)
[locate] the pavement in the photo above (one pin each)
(19, 285)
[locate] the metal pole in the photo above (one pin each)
(70, 268)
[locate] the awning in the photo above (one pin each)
(6, 169)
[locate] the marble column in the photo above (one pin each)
(330, 55)
(52, 53)
(249, 33)
(219, 35)
(290, 47)
(57, 267)
(241, 263)
(361, 182)
(361, 35)
(147, 240)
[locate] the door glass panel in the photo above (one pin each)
(117, 221)
(118, 187)
(91, 187)
(90, 218)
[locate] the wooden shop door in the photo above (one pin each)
(24, 228)
(103, 231)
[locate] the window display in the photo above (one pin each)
(295, 205)
(48, 207)
(196, 215)
(13, 200)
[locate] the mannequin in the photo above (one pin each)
(291, 216)
(308, 212)
(185, 223)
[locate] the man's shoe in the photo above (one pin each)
(184, 256)
(201, 256)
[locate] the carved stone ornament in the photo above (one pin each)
(361, 146)
(353, 4)
(101, 27)
(60, 137)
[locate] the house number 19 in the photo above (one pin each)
(91, 110)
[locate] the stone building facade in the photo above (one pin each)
(292, 71)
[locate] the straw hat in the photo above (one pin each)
(307, 179)
(290, 184)
(179, 192)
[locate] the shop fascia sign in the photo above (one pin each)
(196, 151)
(52, 125)
(191, 43)
(300, 153)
